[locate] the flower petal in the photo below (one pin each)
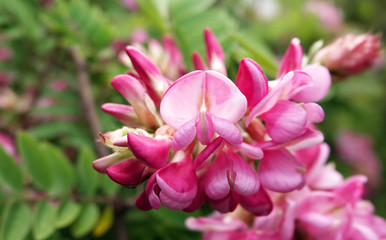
(216, 181)
(129, 173)
(227, 130)
(279, 171)
(214, 52)
(123, 113)
(251, 81)
(292, 59)
(321, 80)
(198, 63)
(285, 121)
(315, 113)
(150, 151)
(204, 128)
(259, 203)
(184, 136)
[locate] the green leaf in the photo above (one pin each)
(10, 172)
(108, 186)
(86, 221)
(16, 223)
(258, 51)
(68, 212)
(88, 178)
(155, 12)
(37, 164)
(63, 171)
(45, 218)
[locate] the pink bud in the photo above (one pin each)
(350, 54)
(214, 52)
(130, 172)
(123, 113)
(292, 59)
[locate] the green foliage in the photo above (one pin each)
(86, 220)
(16, 221)
(10, 173)
(45, 216)
(87, 177)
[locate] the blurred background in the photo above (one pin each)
(57, 58)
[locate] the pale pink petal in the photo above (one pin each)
(280, 91)
(202, 91)
(292, 59)
(280, 171)
(251, 81)
(321, 79)
(130, 172)
(227, 130)
(172, 203)
(224, 99)
(152, 152)
(246, 181)
(204, 128)
(352, 189)
(184, 135)
(315, 113)
(285, 121)
(251, 151)
(259, 203)
(216, 182)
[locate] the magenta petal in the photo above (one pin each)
(352, 189)
(149, 73)
(142, 202)
(280, 171)
(152, 152)
(129, 173)
(204, 154)
(321, 79)
(216, 182)
(101, 164)
(292, 59)
(259, 203)
(214, 52)
(198, 63)
(123, 113)
(285, 121)
(291, 83)
(246, 182)
(184, 136)
(251, 81)
(178, 184)
(204, 128)
(226, 204)
(129, 87)
(315, 113)
(174, 53)
(152, 191)
(227, 130)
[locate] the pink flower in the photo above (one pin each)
(328, 14)
(203, 103)
(350, 54)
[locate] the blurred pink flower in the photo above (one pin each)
(350, 54)
(328, 14)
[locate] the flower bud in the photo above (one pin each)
(350, 54)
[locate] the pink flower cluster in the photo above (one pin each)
(204, 138)
(327, 208)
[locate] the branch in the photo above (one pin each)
(87, 99)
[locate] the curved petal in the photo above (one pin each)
(285, 121)
(226, 204)
(246, 181)
(259, 203)
(251, 81)
(321, 79)
(204, 128)
(129, 173)
(123, 113)
(216, 180)
(251, 151)
(198, 63)
(279, 171)
(292, 59)
(315, 113)
(202, 91)
(184, 135)
(227, 130)
(152, 152)
(205, 154)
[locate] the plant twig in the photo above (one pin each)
(87, 99)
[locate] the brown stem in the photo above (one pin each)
(87, 99)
